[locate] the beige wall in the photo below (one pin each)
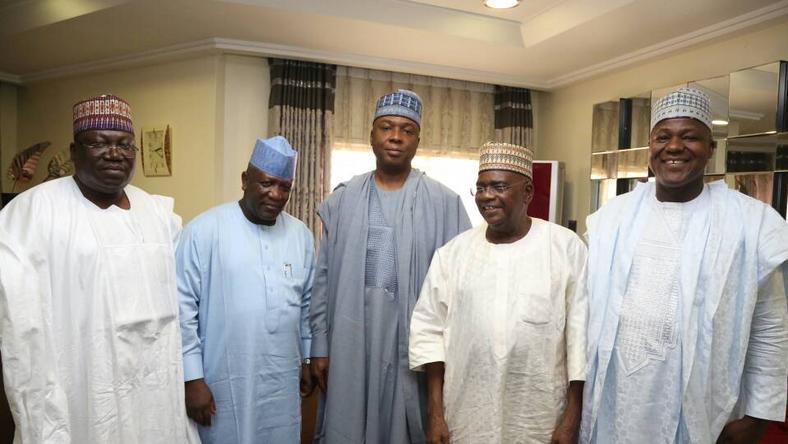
(565, 114)
(215, 104)
(8, 132)
(245, 117)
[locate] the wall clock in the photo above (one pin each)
(156, 148)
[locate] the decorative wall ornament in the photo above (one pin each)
(60, 165)
(23, 166)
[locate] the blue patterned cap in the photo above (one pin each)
(402, 103)
(274, 157)
(683, 102)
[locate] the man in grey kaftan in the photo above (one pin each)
(380, 230)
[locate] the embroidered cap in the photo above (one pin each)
(274, 157)
(105, 112)
(402, 103)
(505, 156)
(684, 102)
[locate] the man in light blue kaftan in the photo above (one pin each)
(245, 280)
(688, 327)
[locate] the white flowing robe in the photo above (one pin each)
(89, 329)
(509, 321)
(734, 331)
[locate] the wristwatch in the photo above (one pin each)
(307, 361)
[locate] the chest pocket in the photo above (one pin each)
(295, 281)
(283, 298)
(536, 308)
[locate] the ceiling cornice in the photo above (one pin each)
(717, 30)
(10, 78)
(244, 47)
(168, 53)
(231, 46)
(382, 63)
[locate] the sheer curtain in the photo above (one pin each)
(458, 116)
(301, 109)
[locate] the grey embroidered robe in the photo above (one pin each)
(366, 338)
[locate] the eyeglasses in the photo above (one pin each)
(100, 148)
(496, 189)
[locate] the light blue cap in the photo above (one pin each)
(274, 157)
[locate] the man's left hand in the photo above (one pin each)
(565, 434)
(747, 430)
(308, 383)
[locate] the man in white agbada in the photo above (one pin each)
(88, 305)
(245, 281)
(500, 324)
(688, 330)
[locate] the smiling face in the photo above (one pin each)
(103, 171)
(264, 196)
(679, 149)
(502, 198)
(394, 141)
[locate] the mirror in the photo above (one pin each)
(753, 100)
(604, 127)
(753, 154)
(641, 119)
(604, 165)
(717, 89)
(632, 163)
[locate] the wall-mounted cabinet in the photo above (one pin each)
(750, 125)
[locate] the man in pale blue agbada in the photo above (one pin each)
(688, 328)
(245, 280)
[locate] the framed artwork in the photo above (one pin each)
(156, 148)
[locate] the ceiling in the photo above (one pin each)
(542, 44)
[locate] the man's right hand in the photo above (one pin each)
(319, 367)
(199, 402)
(438, 431)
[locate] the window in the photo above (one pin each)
(458, 173)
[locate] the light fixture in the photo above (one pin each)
(501, 4)
(719, 122)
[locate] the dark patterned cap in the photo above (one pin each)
(105, 112)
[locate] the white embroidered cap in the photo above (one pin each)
(684, 102)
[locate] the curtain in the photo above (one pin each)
(301, 109)
(457, 119)
(514, 121)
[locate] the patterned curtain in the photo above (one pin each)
(458, 115)
(514, 121)
(301, 109)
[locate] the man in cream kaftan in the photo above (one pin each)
(506, 318)
(511, 346)
(88, 303)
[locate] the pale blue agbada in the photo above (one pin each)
(245, 291)
(733, 335)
